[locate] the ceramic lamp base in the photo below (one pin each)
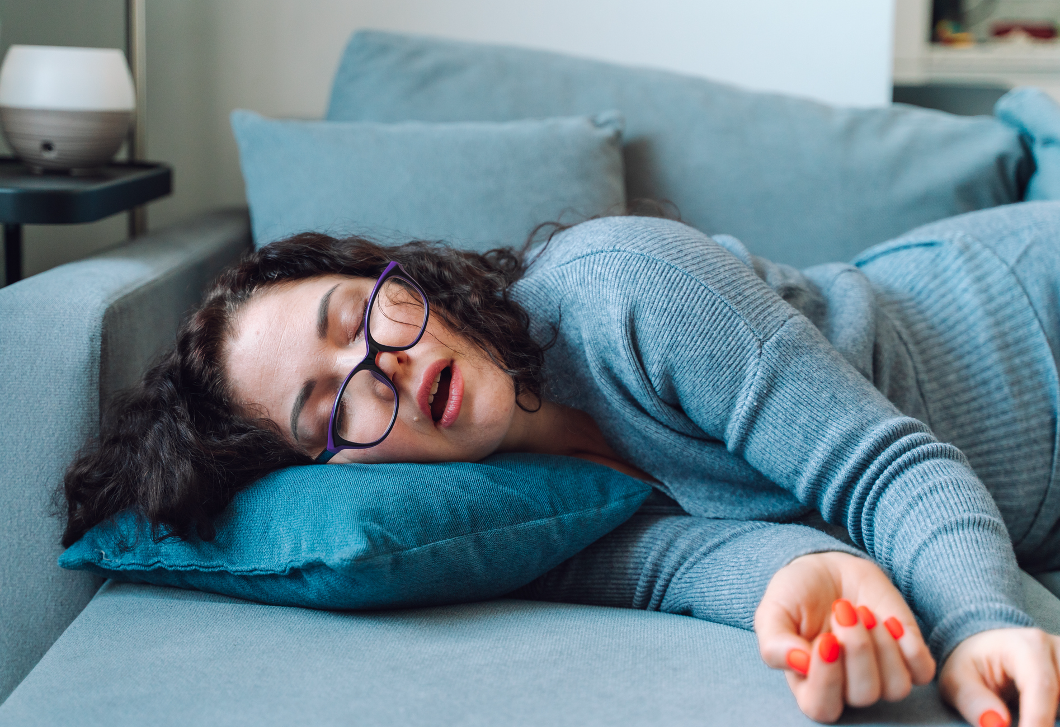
(54, 139)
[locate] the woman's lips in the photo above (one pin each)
(456, 398)
(441, 394)
(448, 399)
(423, 394)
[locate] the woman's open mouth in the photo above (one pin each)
(439, 396)
(441, 393)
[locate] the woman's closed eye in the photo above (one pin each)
(355, 324)
(341, 416)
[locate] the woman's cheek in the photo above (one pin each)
(489, 421)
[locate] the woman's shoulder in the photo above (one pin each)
(627, 236)
(649, 264)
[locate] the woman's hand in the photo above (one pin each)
(989, 668)
(842, 633)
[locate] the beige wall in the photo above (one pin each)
(206, 57)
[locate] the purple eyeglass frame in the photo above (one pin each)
(372, 349)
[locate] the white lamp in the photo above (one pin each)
(65, 108)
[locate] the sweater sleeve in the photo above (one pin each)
(718, 344)
(807, 420)
(711, 569)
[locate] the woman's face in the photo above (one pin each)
(294, 344)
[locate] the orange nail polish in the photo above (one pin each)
(829, 647)
(867, 617)
(799, 661)
(844, 612)
(990, 718)
(895, 627)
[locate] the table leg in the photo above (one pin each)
(13, 253)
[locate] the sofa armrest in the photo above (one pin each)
(68, 338)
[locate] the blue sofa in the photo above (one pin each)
(798, 182)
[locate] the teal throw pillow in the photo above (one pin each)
(376, 536)
(474, 185)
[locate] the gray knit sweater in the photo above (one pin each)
(698, 371)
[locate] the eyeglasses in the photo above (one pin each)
(366, 405)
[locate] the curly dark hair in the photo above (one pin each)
(174, 449)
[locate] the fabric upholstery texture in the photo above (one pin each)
(473, 185)
(383, 535)
(68, 334)
(143, 654)
(796, 181)
(1037, 116)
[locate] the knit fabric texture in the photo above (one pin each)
(710, 369)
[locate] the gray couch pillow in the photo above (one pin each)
(795, 180)
(475, 185)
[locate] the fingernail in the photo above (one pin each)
(829, 647)
(867, 617)
(799, 661)
(895, 627)
(990, 718)
(844, 612)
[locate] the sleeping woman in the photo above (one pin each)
(908, 402)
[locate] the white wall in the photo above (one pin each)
(206, 57)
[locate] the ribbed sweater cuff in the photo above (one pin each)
(768, 550)
(959, 625)
(959, 573)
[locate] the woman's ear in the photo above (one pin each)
(527, 401)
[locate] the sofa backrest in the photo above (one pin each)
(795, 180)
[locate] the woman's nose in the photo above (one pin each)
(393, 363)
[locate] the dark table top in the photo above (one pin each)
(58, 198)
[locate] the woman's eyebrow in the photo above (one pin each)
(322, 313)
(299, 404)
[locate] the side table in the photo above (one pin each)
(27, 198)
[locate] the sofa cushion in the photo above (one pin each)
(475, 185)
(374, 536)
(145, 655)
(797, 181)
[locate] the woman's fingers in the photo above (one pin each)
(859, 655)
(986, 667)
(895, 679)
(964, 687)
(814, 670)
(820, 693)
(906, 634)
(1036, 679)
(853, 658)
(779, 641)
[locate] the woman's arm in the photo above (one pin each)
(716, 569)
(682, 343)
(669, 323)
